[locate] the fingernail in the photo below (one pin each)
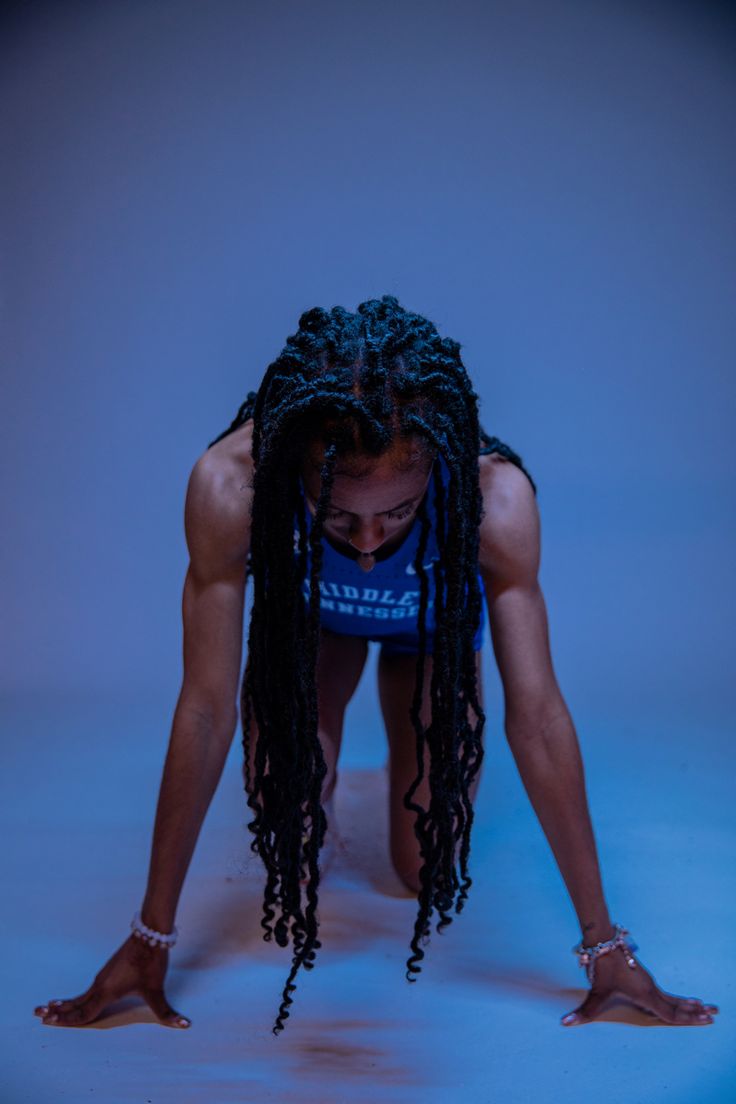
(183, 1021)
(53, 1019)
(569, 1018)
(705, 1018)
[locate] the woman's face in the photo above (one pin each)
(373, 502)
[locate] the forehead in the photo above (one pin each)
(404, 455)
(364, 484)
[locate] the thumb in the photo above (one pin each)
(157, 1002)
(590, 1008)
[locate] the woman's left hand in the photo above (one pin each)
(613, 977)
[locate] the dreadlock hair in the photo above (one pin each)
(357, 382)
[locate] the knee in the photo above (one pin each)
(410, 879)
(407, 863)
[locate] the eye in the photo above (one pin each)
(335, 515)
(401, 513)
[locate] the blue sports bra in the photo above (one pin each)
(384, 602)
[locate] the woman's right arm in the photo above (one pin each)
(217, 526)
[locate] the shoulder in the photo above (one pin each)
(219, 498)
(510, 525)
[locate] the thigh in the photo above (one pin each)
(396, 680)
(340, 663)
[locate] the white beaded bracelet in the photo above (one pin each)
(148, 935)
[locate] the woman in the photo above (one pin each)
(360, 492)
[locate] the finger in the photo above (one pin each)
(697, 1013)
(61, 1005)
(590, 1008)
(677, 1010)
(77, 1016)
(701, 1006)
(157, 1002)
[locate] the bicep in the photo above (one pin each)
(217, 526)
(517, 614)
(517, 617)
(212, 615)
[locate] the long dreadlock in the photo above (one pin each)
(358, 381)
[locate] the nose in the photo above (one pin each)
(366, 536)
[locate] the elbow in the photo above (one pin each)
(529, 720)
(218, 723)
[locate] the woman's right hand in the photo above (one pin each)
(136, 967)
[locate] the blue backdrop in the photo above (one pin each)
(552, 182)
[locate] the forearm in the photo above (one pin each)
(198, 747)
(551, 769)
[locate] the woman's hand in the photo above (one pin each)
(614, 977)
(136, 967)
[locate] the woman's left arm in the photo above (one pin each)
(542, 737)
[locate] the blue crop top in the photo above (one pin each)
(382, 604)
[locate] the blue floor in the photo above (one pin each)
(481, 1023)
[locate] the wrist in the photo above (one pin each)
(159, 919)
(149, 935)
(589, 952)
(597, 932)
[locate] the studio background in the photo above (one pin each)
(552, 184)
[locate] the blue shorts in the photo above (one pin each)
(408, 643)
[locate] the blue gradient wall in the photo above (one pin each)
(551, 183)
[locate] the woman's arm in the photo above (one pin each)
(217, 523)
(537, 722)
(542, 736)
(217, 526)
